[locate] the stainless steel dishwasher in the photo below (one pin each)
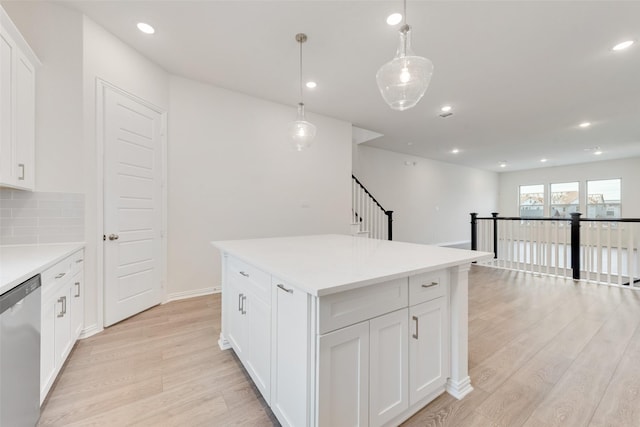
(20, 355)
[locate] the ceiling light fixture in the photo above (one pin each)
(394, 19)
(311, 85)
(585, 124)
(301, 131)
(404, 80)
(455, 151)
(544, 160)
(446, 108)
(623, 45)
(597, 151)
(146, 28)
(503, 164)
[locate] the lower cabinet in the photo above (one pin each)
(62, 317)
(249, 321)
(428, 348)
(291, 355)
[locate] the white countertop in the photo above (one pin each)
(19, 263)
(325, 264)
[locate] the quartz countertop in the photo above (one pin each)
(325, 264)
(21, 262)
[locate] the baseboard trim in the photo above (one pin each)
(176, 296)
(89, 331)
(459, 389)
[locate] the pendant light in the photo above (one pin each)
(301, 131)
(404, 80)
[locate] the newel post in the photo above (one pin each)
(390, 223)
(575, 244)
(495, 234)
(474, 231)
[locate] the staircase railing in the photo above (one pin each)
(368, 213)
(598, 250)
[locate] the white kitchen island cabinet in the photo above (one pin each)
(344, 331)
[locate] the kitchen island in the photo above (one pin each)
(339, 330)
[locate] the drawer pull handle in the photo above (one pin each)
(60, 275)
(244, 274)
(430, 285)
(415, 319)
(78, 292)
(78, 261)
(281, 286)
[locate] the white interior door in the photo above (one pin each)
(132, 139)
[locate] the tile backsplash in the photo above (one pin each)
(37, 217)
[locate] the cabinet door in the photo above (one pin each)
(76, 308)
(236, 325)
(343, 377)
(7, 97)
(428, 348)
(63, 340)
(389, 373)
(50, 308)
(24, 123)
(258, 357)
(290, 375)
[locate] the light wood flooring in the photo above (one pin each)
(543, 352)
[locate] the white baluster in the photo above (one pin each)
(619, 253)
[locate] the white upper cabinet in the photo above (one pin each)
(17, 107)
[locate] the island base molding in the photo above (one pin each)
(223, 343)
(459, 389)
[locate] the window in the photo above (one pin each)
(603, 198)
(532, 201)
(565, 199)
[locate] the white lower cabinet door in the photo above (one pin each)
(235, 301)
(48, 345)
(77, 305)
(258, 356)
(291, 361)
(343, 377)
(389, 372)
(63, 341)
(428, 348)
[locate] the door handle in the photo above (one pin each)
(240, 303)
(78, 287)
(415, 319)
(113, 236)
(21, 166)
(244, 299)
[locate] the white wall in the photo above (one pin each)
(626, 169)
(54, 33)
(108, 58)
(233, 174)
(431, 200)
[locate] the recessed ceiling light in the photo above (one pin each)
(311, 85)
(446, 108)
(394, 18)
(597, 152)
(623, 45)
(455, 151)
(543, 160)
(503, 164)
(146, 28)
(585, 124)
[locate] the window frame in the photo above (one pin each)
(605, 204)
(544, 200)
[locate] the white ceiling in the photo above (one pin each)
(521, 75)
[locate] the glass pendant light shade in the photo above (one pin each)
(301, 131)
(404, 80)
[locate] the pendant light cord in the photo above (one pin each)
(301, 98)
(404, 29)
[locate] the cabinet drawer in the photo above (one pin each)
(427, 286)
(346, 308)
(258, 281)
(59, 273)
